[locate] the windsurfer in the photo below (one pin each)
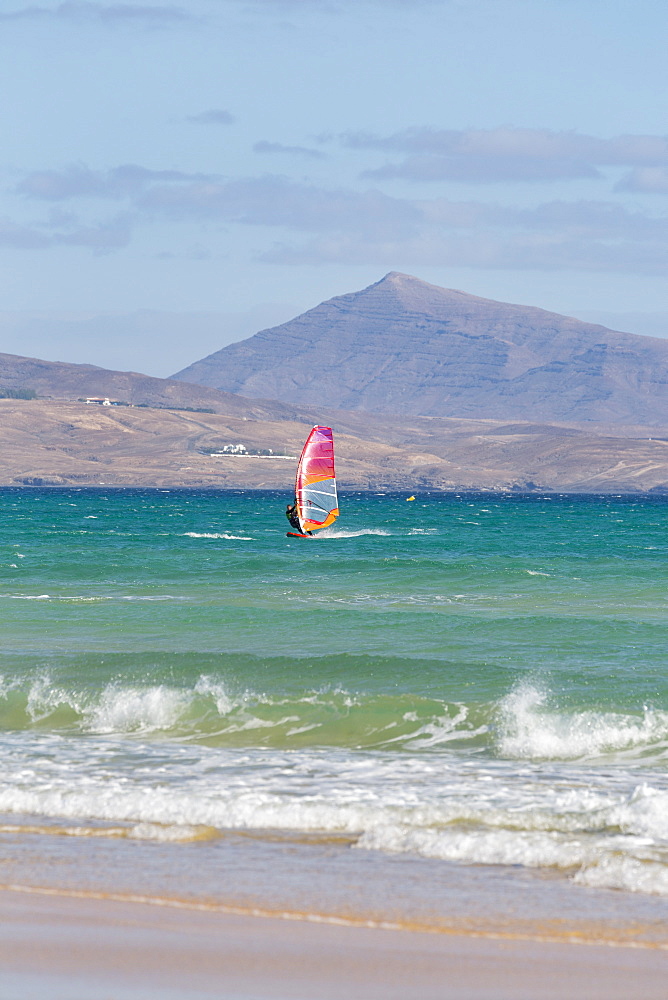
(315, 505)
(293, 518)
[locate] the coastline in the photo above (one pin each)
(77, 947)
(72, 444)
(374, 489)
(323, 880)
(591, 936)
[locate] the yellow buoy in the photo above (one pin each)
(409, 498)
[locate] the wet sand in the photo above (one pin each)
(282, 872)
(68, 948)
(94, 916)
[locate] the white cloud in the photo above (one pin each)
(370, 227)
(483, 169)
(79, 10)
(78, 181)
(278, 201)
(21, 237)
(101, 238)
(334, 6)
(352, 226)
(506, 154)
(543, 144)
(649, 180)
(67, 230)
(277, 147)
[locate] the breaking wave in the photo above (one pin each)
(522, 725)
(611, 836)
(434, 778)
(208, 712)
(604, 841)
(530, 728)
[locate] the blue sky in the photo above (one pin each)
(176, 176)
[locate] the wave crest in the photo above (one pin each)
(528, 728)
(210, 712)
(525, 724)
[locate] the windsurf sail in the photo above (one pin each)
(315, 484)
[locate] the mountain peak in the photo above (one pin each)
(398, 278)
(403, 346)
(398, 281)
(415, 294)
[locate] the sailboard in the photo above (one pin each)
(315, 483)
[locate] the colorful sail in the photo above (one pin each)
(315, 485)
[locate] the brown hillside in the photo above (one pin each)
(58, 380)
(69, 443)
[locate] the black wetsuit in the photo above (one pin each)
(293, 518)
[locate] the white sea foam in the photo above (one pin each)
(444, 729)
(445, 831)
(94, 599)
(529, 728)
(147, 597)
(492, 847)
(217, 534)
(173, 833)
(613, 870)
(644, 813)
(612, 862)
(44, 698)
(600, 827)
(333, 533)
(436, 807)
(119, 708)
(216, 690)
(136, 709)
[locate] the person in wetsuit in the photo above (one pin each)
(293, 518)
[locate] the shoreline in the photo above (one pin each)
(617, 492)
(74, 948)
(322, 880)
(567, 937)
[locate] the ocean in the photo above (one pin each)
(451, 711)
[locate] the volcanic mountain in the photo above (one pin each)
(405, 347)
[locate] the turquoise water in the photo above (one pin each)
(472, 678)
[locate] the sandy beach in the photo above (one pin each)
(69, 948)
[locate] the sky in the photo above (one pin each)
(175, 177)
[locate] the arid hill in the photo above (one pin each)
(58, 380)
(58, 443)
(402, 346)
